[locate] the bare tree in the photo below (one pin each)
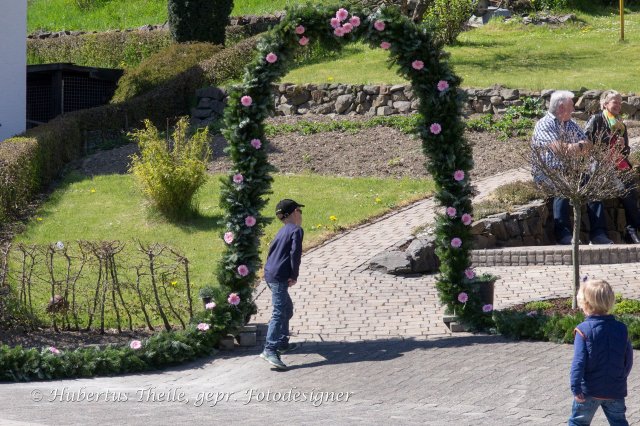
(581, 176)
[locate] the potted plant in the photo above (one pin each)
(207, 293)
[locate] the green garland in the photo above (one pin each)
(449, 158)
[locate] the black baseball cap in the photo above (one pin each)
(286, 207)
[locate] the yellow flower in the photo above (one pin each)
(329, 78)
(332, 218)
(378, 200)
(319, 226)
(174, 283)
(39, 219)
(92, 190)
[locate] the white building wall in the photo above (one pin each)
(13, 67)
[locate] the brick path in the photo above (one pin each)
(375, 337)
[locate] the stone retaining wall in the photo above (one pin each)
(382, 100)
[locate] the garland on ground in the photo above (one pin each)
(448, 154)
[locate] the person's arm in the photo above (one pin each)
(628, 359)
(578, 365)
(296, 254)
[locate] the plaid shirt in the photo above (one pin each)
(548, 130)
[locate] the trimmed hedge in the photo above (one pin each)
(160, 67)
(105, 50)
(18, 179)
(199, 20)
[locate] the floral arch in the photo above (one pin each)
(448, 154)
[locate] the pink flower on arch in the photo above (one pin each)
(271, 57)
(256, 143)
(300, 30)
(487, 308)
(203, 326)
(234, 299)
(335, 23)
(243, 270)
(347, 27)
(303, 41)
(379, 25)
(443, 85)
(385, 45)
(342, 14)
(228, 237)
(435, 128)
(463, 297)
(456, 242)
(467, 219)
(238, 178)
(210, 305)
(339, 32)
(135, 344)
(355, 21)
(451, 211)
(417, 65)
(469, 273)
(54, 350)
(246, 100)
(458, 175)
(250, 221)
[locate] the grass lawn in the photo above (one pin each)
(111, 208)
(56, 15)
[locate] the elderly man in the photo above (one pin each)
(556, 129)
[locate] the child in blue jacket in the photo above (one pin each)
(281, 272)
(602, 358)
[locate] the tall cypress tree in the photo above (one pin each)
(199, 20)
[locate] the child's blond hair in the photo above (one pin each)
(596, 297)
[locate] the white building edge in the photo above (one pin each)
(13, 67)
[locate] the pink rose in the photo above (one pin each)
(456, 242)
(228, 237)
(463, 297)
(203, 326)
(234, 299)
(417, 65)
(243, 270)
(238, 178)
(250, 221)
(256, 143)
(355, 21)
(210, 305)
(54, 350)
(385, 45)
(451, 211)
(487, 308)
(467, 219)
(458, 175)
(347, 27)
(303, 41)
(342, 14)
(335, 22)
(135, 344)
(469, 273)
(339, 32)
(379, 25)
(246, 101)
(435, 128)
(271, 57)
(299, 30)
(443, 85)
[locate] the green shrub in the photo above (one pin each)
(520, 325)
(446, 18)
(539, 305)
(199, 20)
(18, 178)
(105, 50)
(161, 67)
(518, 193)
(626, 306)
(171, 175)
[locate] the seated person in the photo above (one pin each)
(607, 127)
(556, 127)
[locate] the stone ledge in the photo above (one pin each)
(556, 255)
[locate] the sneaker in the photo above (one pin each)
(565, 241)
(632, 235)
(290, 347)
(601, 239)
(274, 360)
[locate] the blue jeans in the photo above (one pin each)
(562, 225)
(614, 409)
(278, 331)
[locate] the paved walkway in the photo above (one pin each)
(375, 352)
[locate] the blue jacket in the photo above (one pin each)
(602, 358)
(285, 253)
